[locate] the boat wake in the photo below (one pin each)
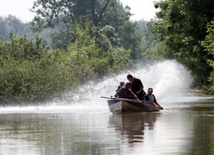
(169, 79)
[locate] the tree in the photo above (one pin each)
(11, 24)
(153, 48)
(93, 50)
(103, 14)
(208, 43)
(118, 17)
(50, 12)
(30, 72)
(182, 24)
(3, 30)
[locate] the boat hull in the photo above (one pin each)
(127, 105)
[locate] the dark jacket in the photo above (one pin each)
(136, 85)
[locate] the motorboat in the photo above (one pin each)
(118, 105)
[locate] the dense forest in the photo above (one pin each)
(71, 42)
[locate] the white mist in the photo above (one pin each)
(167, 78)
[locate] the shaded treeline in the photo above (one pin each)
(187, 29)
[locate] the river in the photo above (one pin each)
(79, 123)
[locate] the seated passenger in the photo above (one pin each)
(126, 92)
(150, 98)
(120, 86)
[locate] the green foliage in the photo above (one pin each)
(182, 26)
(94, 50)
(120, 59)
(125, 32)
(110, 33)
(89, 39)
(84, 53)
(107, 16)
(159, 51)
(208, 43)
(62, 38)
(30, 72)
(50, 12)
(131, 40)
(153, 48)
(23, 49)
(11, 24)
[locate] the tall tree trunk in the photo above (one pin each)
(96, 15)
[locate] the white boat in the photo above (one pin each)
(118, 105)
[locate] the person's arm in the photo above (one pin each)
(135, 96)
(117, 94)
(155, 101)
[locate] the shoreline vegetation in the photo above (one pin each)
(58, 52)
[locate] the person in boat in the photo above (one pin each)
(150, 98)
(137, 86)
(126, 92)
(120, 86)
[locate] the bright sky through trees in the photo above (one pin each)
(142, 9)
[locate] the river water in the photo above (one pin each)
(79, 123)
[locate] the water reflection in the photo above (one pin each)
(24, 134)
(133, 125)
(187, 129)
(203, 139)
